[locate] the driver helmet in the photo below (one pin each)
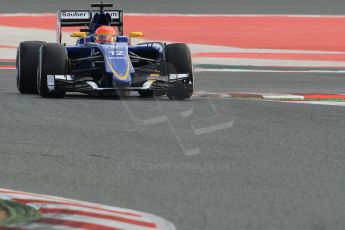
(105, 34)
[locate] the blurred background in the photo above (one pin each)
(183, 6)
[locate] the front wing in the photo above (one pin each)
(66, 83)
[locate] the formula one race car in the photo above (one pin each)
(96, 66)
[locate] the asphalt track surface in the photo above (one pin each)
(181, 6)
(272, 166)
(266, 82)
(276, 166)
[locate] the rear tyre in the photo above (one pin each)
(26, 65)
(178, 57)
(52, 59)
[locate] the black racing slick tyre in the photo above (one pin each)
(26, 65)
(52, 60)
(179, 57)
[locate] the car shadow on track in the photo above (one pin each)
(98, 97)
(116, 98)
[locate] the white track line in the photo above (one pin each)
(283, 97)
(268, 62)
(329, 103)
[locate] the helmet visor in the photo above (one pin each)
(104, 38)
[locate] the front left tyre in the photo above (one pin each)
(26, 66)
(52, 60)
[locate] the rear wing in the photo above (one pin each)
(75, 18)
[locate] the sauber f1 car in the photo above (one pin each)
(150, 68)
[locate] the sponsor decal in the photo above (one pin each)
(178, 76)
(75, 15)
(113, 14)
(86, 14)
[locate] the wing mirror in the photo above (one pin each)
(135, 35)
(78, 35)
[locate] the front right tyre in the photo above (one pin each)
(52, 60)
(26, 66)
